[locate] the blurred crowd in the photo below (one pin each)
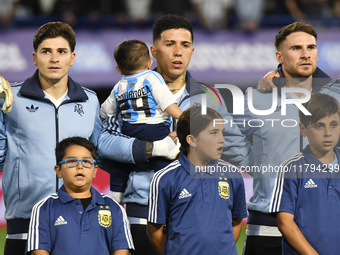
(248, 15)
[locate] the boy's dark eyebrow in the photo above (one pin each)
(47, 48)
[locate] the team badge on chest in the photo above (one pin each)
(104, 218)
(223, 189)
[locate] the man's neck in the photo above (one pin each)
(175, 84)
(304, 83)
(56, 90)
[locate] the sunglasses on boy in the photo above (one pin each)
(73, 162)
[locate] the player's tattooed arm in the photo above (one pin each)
(173, 136)
(149, 148)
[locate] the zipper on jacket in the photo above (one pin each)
(57, 140)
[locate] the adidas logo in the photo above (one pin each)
(184, 194)
(32, 108)
(310, 184)
(60, 221)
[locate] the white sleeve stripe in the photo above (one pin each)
(278, 182)
(153, 197)
(278, 187)
(33, 231)
(126, 224)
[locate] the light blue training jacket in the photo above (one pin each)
(28, 137)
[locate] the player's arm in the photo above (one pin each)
(174, 111)
(156, 236)
(40, 252)
(237, 226)
(113, 145)
(293, 235)
(266, 83)
(120, 252)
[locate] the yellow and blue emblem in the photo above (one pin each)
(223, 188)
(104, 217)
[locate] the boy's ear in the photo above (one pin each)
(95, 171)
(303, 130)
(119, 70)
(150, 64)
(57, 169)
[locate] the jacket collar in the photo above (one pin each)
(320, 79)
(31, 88)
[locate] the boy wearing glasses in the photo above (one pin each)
(78, 219)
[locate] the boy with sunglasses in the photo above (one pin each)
(78, 219)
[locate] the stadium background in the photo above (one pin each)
(227, 56)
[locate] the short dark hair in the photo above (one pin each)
(320, 105)
(75, 140)
(131, 55)
(192, 122)
(170, 21)
(291, 28)
(54, 30)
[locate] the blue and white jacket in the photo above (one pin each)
(115, 146)
(28, 137)
(276, 137)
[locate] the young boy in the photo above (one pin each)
(307, 191)
(142, 96)
(202, 212)
(77, 219)
(145, 103)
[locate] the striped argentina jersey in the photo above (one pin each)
(59, 225)
(197, 208)
(141, 98)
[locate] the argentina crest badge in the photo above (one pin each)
(223, 188)
(104, 218)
